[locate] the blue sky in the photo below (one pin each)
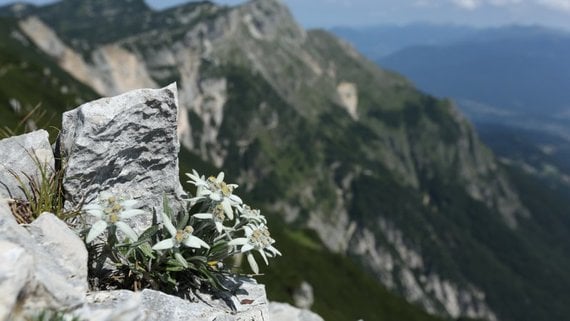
(327, 13)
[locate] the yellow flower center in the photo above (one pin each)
(180, 236)
(219, 214)
(226, 190)
(260, 238)
(113, 209)
(113, 218)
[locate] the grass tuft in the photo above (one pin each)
(43, 192)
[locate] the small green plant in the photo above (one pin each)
(43, 192)
(182, 250)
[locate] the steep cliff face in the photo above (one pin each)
(393, 178)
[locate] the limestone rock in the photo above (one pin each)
(348, 94)
(49, 270)
(303, 296)
(126, 145)
(61, 259)
(129, 310)
(15, 271)
(286, 312)
(250, 304)
(20, 155)
(111, 69)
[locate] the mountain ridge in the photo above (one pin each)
(381, 40)
(496, 67)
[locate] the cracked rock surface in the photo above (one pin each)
(126, 145)
(20, 155)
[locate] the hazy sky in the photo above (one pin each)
(326, 13)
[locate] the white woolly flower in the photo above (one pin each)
(179, 237)
(257, 238)
(251, 215)
(199, 181)
(218, 216)
(216, 190)
(112, 211)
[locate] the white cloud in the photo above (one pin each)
(500, 3)
(556, 4)
(467, 4)
(474, 4)
(559, 5)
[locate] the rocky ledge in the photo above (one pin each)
(125, 145)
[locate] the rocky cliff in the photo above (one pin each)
(393, 178)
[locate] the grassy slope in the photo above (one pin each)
(341, 290)
(543, 151)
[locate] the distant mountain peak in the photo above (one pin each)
(16, 9)
(270, 18)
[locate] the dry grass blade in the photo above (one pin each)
(43, 191)
(21, 211)
(27, 123)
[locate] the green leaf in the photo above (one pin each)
(166, 206)
(212, 279)
(199, 259)
(173, 262)
(148, 233)
(147, 250)
(181, 259)
(183, 221)
(219, 251)
(176, 268)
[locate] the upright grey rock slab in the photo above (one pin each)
(20, 155)
(126, 145)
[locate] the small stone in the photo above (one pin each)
(303, 296)
(22, 155)
(286, 312)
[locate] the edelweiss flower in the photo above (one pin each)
(215, 189)
(183, 237)
(199, 181)
(257, 238)
(252, 215)
(111, 211)
(217, 215)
